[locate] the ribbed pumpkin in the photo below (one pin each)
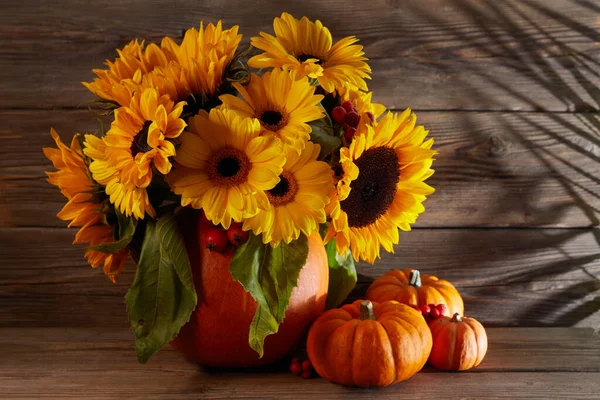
(217, 333)
(411, 287)
(369, 344)
(459, 343)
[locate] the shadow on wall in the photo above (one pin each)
(530, 52)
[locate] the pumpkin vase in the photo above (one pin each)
(368, 344)
(217, 333)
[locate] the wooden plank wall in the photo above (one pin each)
(509, 89)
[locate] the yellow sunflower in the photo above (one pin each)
(85, 206)
(201, 61)
(133, 62)
(305, 48)
(393, 161)
(283, 106)
(224, 166)
(297, 202)
(362, 102)
(139, 141)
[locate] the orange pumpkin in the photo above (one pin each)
(459, 343)
(412, 288)
(369, 344)
(217, 333)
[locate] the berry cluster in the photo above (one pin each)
(303, 369)
(218, 238)
(432, 311)
(347, 116)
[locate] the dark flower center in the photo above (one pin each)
(271, 118)
(285, 191)
(229, 167)
(372, 193)
(303, 57)
(140, 141)
(281, 188)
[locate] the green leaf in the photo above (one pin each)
(323, 134)
(269, 275)
(111, 247)
(162, 296)
(127, 226)
(342, 275)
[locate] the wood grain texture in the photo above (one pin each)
(100, 363)
(525, 277)
(511, 349)
(493, 169)
(430, 54)
(510, 90)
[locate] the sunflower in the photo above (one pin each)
(362, 102)
(283, 106)
(305, 48)
(224, 166)
(393, 162)
(297, 202)
(139, 141)
(86, 204)
(201, 62)
(133, 62)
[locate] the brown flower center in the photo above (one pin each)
(273, 120)
(372, 193)
(303, 57)
(285, 191)
(140, 141)
(228, 167)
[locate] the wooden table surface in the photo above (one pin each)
(522, 363)
(509, 89)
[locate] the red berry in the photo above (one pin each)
(349, 132)
(307, 374)
(442, 309)
(295, 360)
(432, 306)
(435, 313)
(352, 119)
(425, 309)
(348, 106)
(295, 369)
(306, 366)
(371, 116)
(338, 114)
(216, 239)
(237, 236)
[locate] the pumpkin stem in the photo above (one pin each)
(366, 310)
(415, 278)
(456, 318)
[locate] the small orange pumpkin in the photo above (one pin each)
(412, 288)
(459, 343)
(369, 344)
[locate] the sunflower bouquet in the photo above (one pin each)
(261, 151)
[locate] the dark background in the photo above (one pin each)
(510, 90)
